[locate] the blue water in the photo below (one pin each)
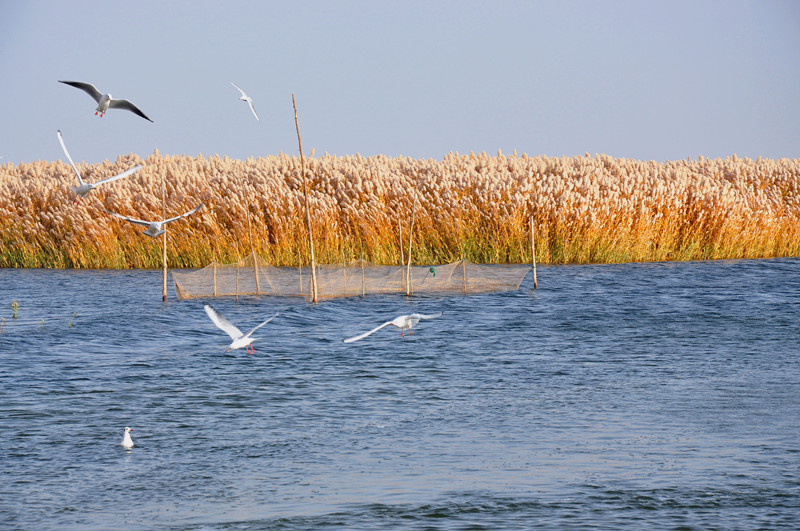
(641, 396)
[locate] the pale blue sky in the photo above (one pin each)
(645, 80)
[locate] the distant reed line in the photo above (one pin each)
(476, 206)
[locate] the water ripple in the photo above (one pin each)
(642, 396)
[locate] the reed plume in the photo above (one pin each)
(476, 206)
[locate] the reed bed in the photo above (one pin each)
(476, 206)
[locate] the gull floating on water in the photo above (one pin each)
(84, 188)
(248, 99)
(105, 101)
(402, 322)
(126, 441)
(239, 339)
(155, 228)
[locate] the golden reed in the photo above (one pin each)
(586, 209)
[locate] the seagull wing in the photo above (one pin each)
(222, 323)
(121, 175)
(250, 103)
(237, 88)
(195, 209)
(88, 88)
(64, 147)
(423, 316)
(362, 336)
(128, 106)
(132, 220)
(262, 324)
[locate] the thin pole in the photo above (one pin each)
(400, 231)
(533, 255)
(300, 269)
(410, 239)
(164, 283)
(215, 278)
(216, 255)
(308, 211)
(464, 271)
(253, 253)
(164, 243)
(238, 264)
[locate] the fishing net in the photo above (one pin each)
(253, 276)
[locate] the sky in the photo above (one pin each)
(649, 80)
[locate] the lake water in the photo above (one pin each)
(641, 396)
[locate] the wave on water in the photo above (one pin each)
(588, 507)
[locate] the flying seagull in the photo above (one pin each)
(84, 188)
(126, 441)
(105, 101)
(248, 99)
(155, 228)
(402, 322)
(239, 339)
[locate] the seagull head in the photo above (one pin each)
(127, 429)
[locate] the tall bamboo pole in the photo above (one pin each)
(164, 242)
(308, 211)
(164, 270)
(400, 231)
(216, 255)
(533, 255)
(253, 253)
(410, 239)
(363, 280)
(464, 272)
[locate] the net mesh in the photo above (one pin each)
(253, 276)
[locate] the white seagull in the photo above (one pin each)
(126, 441)
(239, 339)
(84, 188)
(402, 322)
(155, 228)
(248, 99)
(105, 101)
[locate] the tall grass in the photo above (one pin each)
(586, 209)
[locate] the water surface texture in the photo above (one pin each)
(641, 396)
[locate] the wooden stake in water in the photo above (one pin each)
(410, 239)
(216, 254)
(400, 232)
(533, 255)
(464, 272)
(215, 278)
(164, 283)
(253, 254)
(164, 243)
(308, 211)
(363, 280)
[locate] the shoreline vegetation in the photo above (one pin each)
(586, 209)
